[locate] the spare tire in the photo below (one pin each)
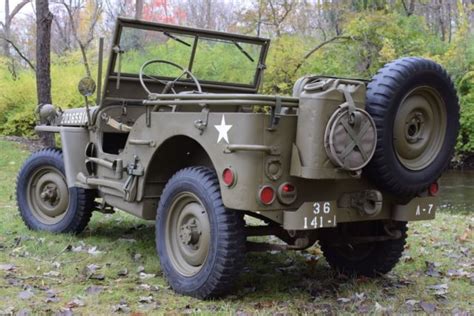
(415, 108)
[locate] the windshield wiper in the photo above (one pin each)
(243, 51)
(177, 39)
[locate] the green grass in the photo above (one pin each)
(291, 282)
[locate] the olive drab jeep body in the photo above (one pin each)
(181, 136)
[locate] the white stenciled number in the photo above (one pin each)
(316, 208)
(430, 208)
(327, 207)
(320, 220)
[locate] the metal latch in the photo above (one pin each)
(201, 124)
(276, 114)
(134, 171)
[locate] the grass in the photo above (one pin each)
(112, 267)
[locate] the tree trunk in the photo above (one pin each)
(44, 19)
(138, 9)
(6, 30)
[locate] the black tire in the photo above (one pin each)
(387, 94)
(370, 259)
(216, 274)
(80, 202)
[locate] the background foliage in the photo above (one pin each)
(343, 38)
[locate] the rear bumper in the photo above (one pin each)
(327, 214)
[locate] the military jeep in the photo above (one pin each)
(180, 135)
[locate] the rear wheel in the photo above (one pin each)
(201, 244)
(368, 259)
(44, 199)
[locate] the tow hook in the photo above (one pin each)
(367, 202)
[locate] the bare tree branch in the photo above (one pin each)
(319, 46)
(17, 9)
(18, 51)
(83, 45)
(409, 9)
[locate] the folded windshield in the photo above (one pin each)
(210, 59)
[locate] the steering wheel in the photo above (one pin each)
(169, 85)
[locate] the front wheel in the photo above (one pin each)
(44, 199)
(369, 259)
(200, 243)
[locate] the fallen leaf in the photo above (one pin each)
(412, 302)
(77, 249)
(148, 287)
(23, 312)
(51, 274)
(465, 251)
(439, 289)
(144, 275)
(7, 267)
(122, 307)
(428, 307)
(26, 295)
(457, 273)
(51, 300)
(8, 311)
(431, 269)
(145, 299)
(51, 293)
(91, 268)
(379, 308)
(64, 312)
(95, 276)
(343, 300)
(93, 251)
(466, 235)
(359, 296)
(94, 289)
(75, 303)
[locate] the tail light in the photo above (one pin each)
(287, 193)
(266, 195)
(433, 190)
(228, 177)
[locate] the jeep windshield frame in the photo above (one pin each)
(122, 83)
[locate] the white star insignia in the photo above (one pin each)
(223, 129)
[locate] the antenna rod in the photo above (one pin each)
(99, 71)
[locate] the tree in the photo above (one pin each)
(44, 18)
(93, 13)
(6, 35)
(6, 26)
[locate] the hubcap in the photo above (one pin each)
(419, 128)
(48, 195)
(188, 234)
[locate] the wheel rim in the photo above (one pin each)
(419, 128)
(187, 234)
(48, 195)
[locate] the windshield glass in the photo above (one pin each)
(215, 60)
